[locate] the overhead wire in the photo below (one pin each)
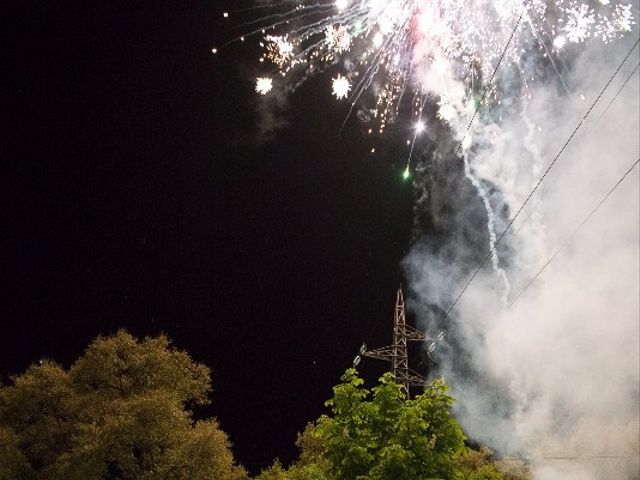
(488, 84)
(484, 93)
(535, 188)
(568, 240)
(624, 84)
(593, 125)
(548, 53)
(572, 457)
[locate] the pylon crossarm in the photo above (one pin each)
(412, 382)
(411, 376)
(415, 335)
(384, 353)
(397, 353)
(416, 380)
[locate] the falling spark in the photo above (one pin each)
(578, 26)
(560, 41)
(341, 87)
(398, 53)
(446, 112)
(338, 39)
(400, 49)
(264, 85)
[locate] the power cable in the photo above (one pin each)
(535, 188)
(486, 88)
(484, 93)
(624, 84)
(573, 234)
(604, 112)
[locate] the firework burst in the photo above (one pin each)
(341, 87)
(389, 50)
(264, 85)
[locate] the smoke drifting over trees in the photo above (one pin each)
(555, 375)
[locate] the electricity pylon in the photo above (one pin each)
(397, 353)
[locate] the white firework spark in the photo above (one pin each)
(560, 41)
(342, 4)
(341, 87)
(264, 85)
(414, 50)
(621, 22)
(280, 51)
(580, 20)
(396, 49)
(338, 39)
(446, 111)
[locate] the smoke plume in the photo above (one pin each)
(555, 377)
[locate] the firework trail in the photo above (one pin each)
(455, 69)
(391, 57)
(389, 50)
(491, 227)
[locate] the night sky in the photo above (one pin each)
(139, 196)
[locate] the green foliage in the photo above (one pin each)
(513, 469)
(476, 465)
(298, 471)
(205, 454)
(121, 367)
(479, 465)
(120, 412)
(379, 435)
(274, 472)
(13, 463)
(312, 447)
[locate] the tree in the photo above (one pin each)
(479, 465)
(295, 472)
(310, 466)
(122, 411)
(13, 463)
(378, 435)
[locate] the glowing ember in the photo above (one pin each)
(264, 85)
(341, 87)
(411, 49)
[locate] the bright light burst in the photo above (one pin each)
(341, 87)
(409, 49)
(579, 23)
(338, 39)
(342, 4)
(263, 85)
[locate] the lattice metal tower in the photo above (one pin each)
(397, 353)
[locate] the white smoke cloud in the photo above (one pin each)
(555, 377)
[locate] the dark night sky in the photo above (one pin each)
(136, 197)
